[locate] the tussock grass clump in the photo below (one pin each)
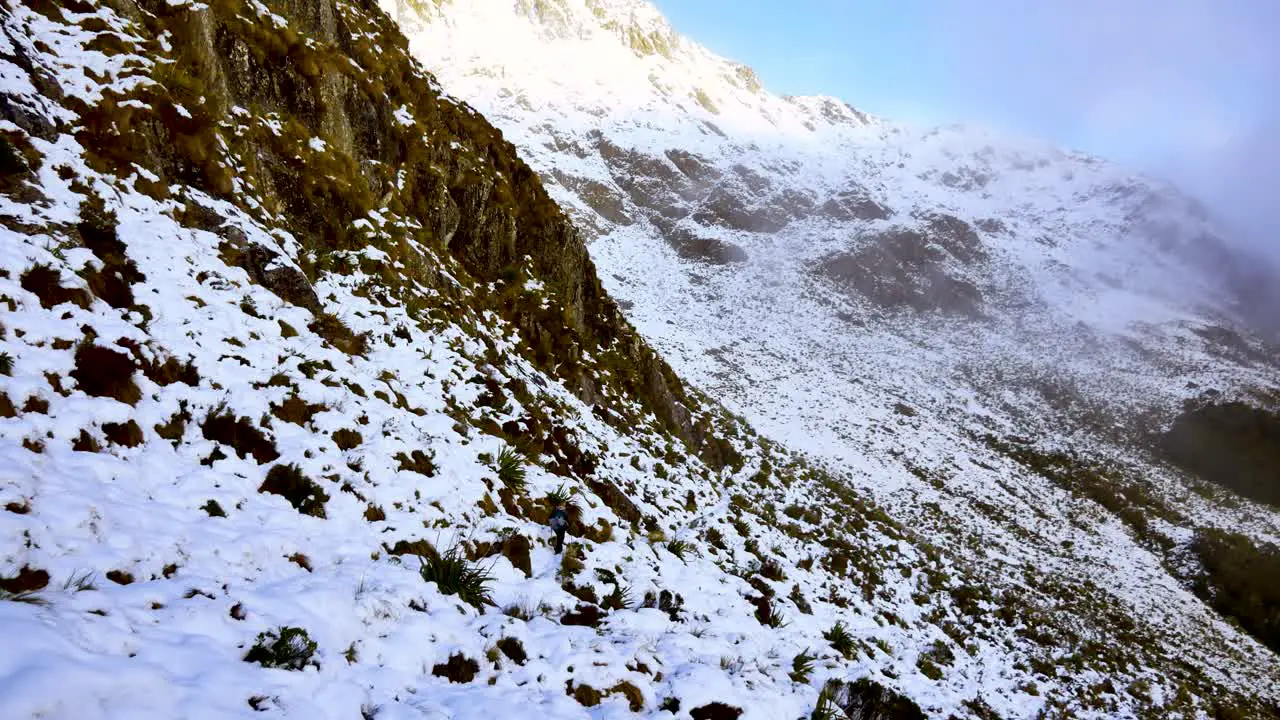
(635, 698)
(120, 577)
(347, 439)
(113, 282)
(772, 570)
(586, 695)
(801, 667)
(767, 612)
(453, 574)
(45, 283)
(288, 648)
(840, 639)
(801, 602)
(103, 372)
(517, 550)
(126, 434)
(459, 669)
(213, 509)
(339, 335)
(583, 616)
(25, 587)
(6, 363)
(302, 492)
(678, 548)
(36, 404)
(175, 428)
(417, 461)
(514, 649)
(510, 467)
(296, 410)
(171, 371)
(224, 427)
(716, 711)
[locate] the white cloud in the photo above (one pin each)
(1189, 88)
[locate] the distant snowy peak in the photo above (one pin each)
(630, 122)
(614, 59)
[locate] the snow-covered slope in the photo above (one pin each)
(280, 324)
(915, 305)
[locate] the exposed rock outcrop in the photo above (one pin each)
(345, 134)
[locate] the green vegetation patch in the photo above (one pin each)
(1233, 445)
(1241, 580)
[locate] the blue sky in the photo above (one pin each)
(1185, 89)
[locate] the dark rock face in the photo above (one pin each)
(694, 167)
(617, 500)
(913, 268)
(690, 246)
(855, 204)
(682, 185)
(652, 183)
(727, 209)
(1233, 445)
(604, 200)
(266, 268)
(710, 250)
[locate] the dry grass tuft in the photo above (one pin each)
(103, 372)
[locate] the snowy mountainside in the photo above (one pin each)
(282, 324)
(992, 334)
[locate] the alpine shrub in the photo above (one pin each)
(289, 648)
(840, 639)
(678, 548)
(511, 469)
(801, 667)
(453, 574)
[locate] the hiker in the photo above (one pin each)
(559, 524)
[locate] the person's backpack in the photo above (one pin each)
(559, 520)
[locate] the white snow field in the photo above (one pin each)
(185, 471)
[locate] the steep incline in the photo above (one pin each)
(992, 334)
(295, 350)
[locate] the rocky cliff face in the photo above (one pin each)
(321, 120)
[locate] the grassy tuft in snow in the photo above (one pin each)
(453, 574)
(840, 639)
(801, 667)
(511, 471)
(30, 597)
(301, 491)
(288, 648)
